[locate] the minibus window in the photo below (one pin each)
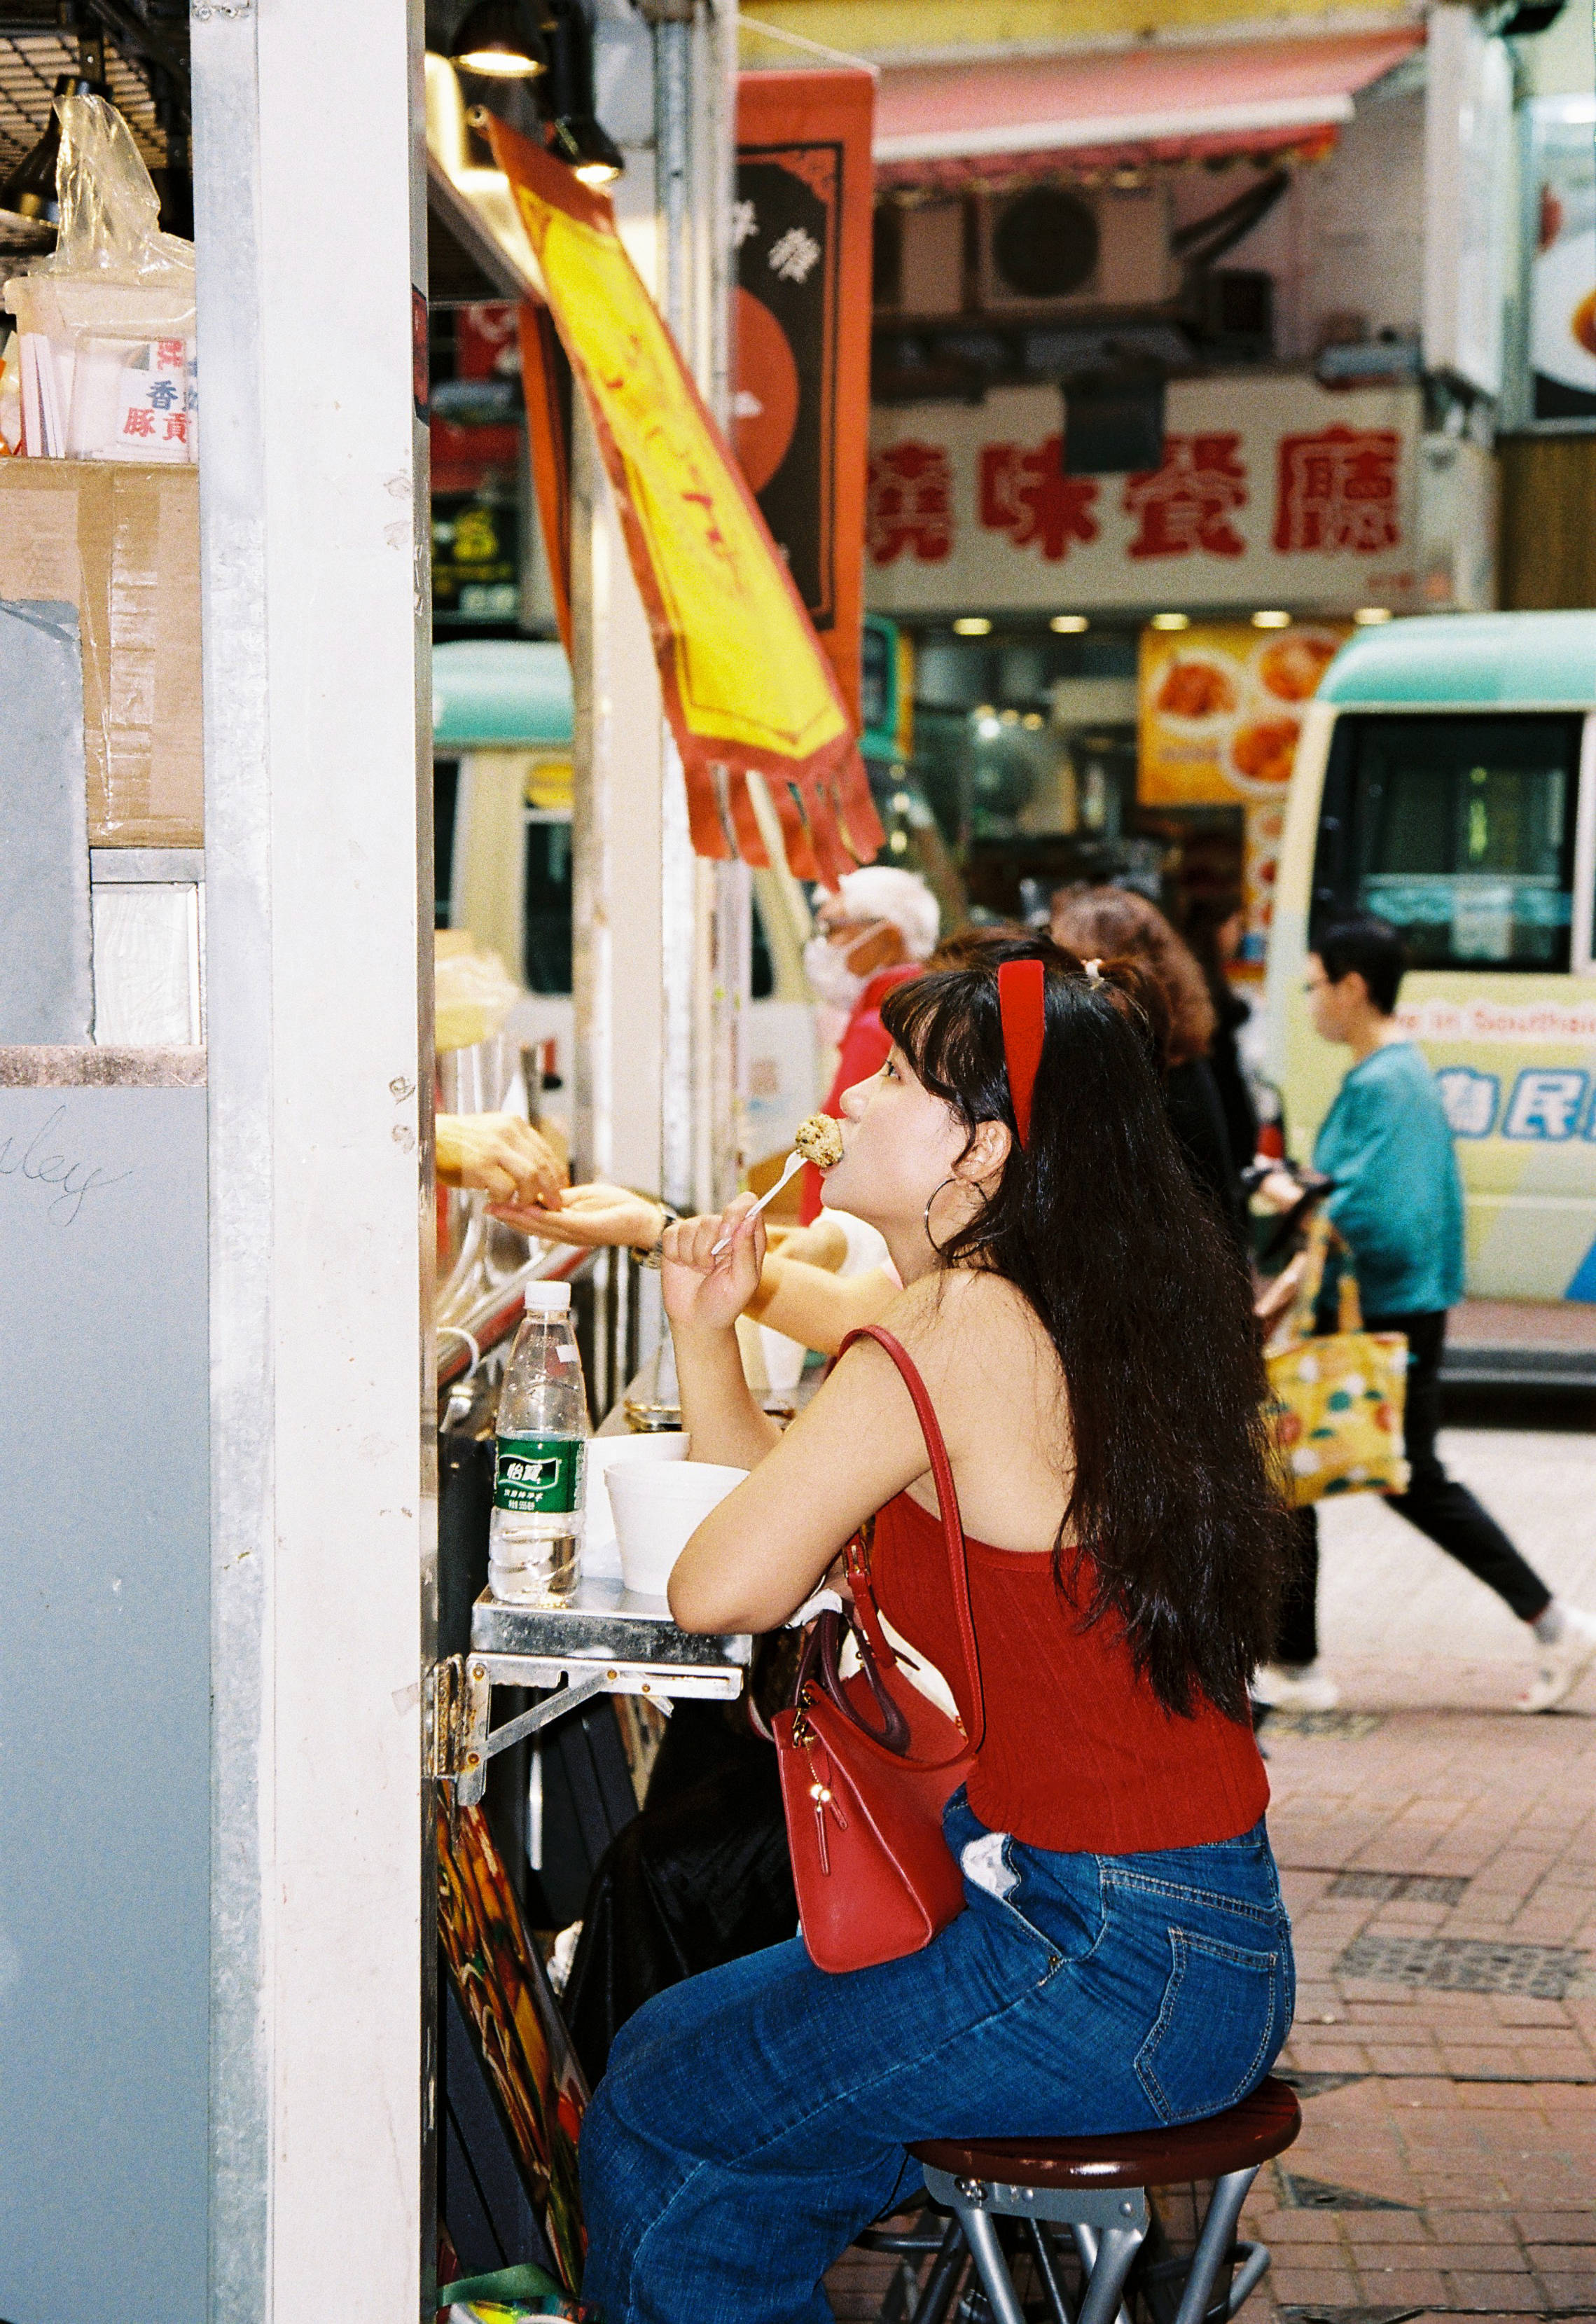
(1458, 829)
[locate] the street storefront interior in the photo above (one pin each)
(1086, 457)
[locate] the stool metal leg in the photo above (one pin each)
(991, 2265)
(943, 2280)
(1086, 2238)
(1219, 2232)
(1116, 2248)
(1046, 2260)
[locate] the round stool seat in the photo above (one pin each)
(1239, 2139)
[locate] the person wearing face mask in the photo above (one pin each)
(875, 932)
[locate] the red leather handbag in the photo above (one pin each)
(866, 1770)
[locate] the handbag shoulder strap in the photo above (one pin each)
(1323, 1239)
(947, 1501)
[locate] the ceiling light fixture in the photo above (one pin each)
(1369, 617)
(1271, 618)
(501, 39)
(1172, 622)
(591, 151)
(575, 134)
(1069, 625)
(972, 625)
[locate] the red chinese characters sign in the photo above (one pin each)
(910, 504)
(1270, 491)
(1187, 503)
(1025, 492)
(1338, 490)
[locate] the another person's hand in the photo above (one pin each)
(704, 1292)
(1274, 1298)
(1280, 1191)
(499, 1153)
(590, 1216)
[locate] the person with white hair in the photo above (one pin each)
(876, 930)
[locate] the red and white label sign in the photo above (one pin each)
(1271, 492)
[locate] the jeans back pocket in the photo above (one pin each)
(1220, 2025)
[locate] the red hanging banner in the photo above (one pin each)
(801, 226)
(745, 683)
(543, 372)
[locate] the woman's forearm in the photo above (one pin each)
(719, 1412)
(817, 1308)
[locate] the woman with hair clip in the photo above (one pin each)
(1082, 1331)
(1118, 920)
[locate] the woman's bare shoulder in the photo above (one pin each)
(948, 1318)
(994, 1378)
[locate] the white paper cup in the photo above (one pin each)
(601, 1555)
(784, 1358)
(657, 1511)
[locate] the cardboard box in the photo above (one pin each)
(122, 544)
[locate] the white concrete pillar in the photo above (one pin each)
(311, 239)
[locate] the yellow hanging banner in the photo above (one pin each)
(746, 684)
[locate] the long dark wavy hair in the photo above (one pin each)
(1174, 1525)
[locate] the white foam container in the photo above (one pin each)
(601, 1552)
(657, 1511)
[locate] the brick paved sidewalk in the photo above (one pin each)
(1440, 1864)
(1440, 1869)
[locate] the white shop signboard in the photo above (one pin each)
(1273, 491)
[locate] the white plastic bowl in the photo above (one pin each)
(657, 1509)
(601, 1553)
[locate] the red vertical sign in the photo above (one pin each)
(801, 225)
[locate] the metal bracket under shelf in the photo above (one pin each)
(602, 1643)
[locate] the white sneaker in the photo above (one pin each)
(1560, 1668)
(1301, 1687)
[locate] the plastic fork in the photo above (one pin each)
(795, 1163)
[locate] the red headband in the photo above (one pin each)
(1022, 1006)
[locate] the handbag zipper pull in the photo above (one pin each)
(821, 1794)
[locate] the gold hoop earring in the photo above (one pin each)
(930, 1238)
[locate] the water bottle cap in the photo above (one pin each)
(548, 1298)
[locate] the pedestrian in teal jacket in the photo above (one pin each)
(1397, 1198)
(1397, 1201)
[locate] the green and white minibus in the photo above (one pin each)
(1447, 780)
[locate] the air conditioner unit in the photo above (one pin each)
(1060, 249)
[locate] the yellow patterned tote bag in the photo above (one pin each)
(1337, 1400)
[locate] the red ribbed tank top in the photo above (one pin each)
(1079, 1755)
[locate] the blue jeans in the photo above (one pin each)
(754, 2119)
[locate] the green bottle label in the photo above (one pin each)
(540, 1476)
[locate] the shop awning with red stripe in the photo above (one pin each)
(962, 122)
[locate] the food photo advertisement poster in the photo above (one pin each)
(1561, 179)
(1220, 708)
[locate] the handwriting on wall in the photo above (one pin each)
(44, 1159)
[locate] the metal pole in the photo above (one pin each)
(681, 1159)
(706, 907)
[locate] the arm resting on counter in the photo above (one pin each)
(760, 1554)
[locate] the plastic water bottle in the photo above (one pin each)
(535, 1538)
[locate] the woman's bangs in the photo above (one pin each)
(924, 1018)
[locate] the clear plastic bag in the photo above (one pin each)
(105, 325)
(471, 997)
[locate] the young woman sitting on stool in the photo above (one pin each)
(1122, 1961)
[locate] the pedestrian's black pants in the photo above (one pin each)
(1434, 1502)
